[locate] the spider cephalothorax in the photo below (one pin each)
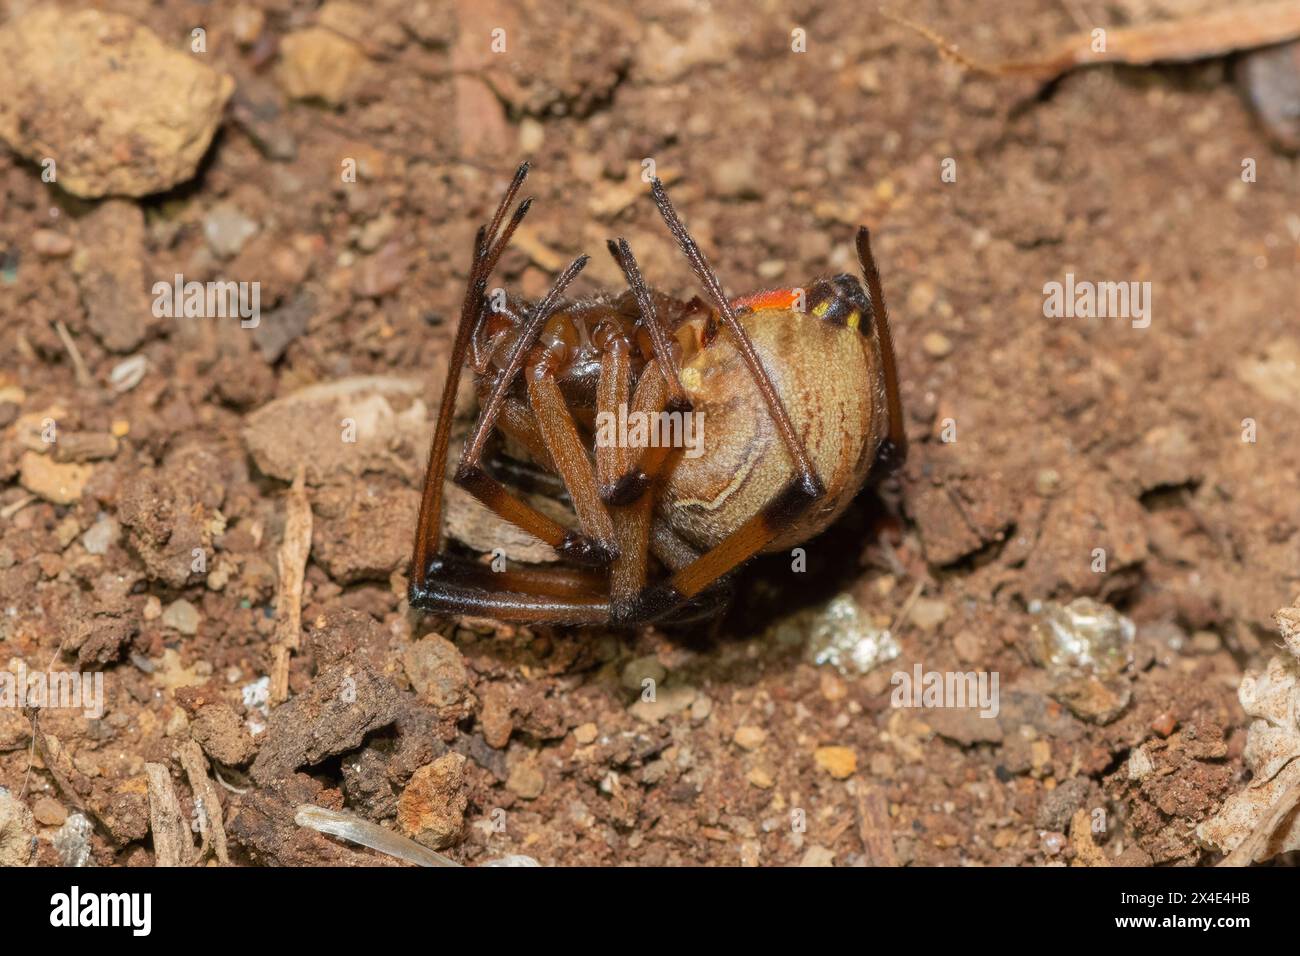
(789, 396)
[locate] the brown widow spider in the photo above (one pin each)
(798, 389)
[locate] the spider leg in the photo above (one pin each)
(893, 450)
(690, 582)
(569, 455)
(487, 251)
(659, 333)
(670, 548)
(650, 398)
(613, 391)
(538, 596)
(528, 333)
(627, 576)
(554, 581)
(518, 421)
(631, 523)
(471, 475)
(670, 396)
(810, 485)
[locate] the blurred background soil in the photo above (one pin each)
(145, 540)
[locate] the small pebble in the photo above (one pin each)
(653, 772)
(882, 766)
(839, 633)
(53, 245)
(1139, 765)
(585, 734)
(1164, 724)
(49, 812)
(818, 856)
(382, 272)
(531, 136)
(748, 737)
(318, 63)
(1270, 77)
(936, 345)
(928, 613)
(227, 229)
(1047, 482)
(127, 374)
(437, 671)
(737, 177)
(246, 23)
(375, 232)
(99, 537)
(968, 646)
(840, 762)
(181, 616)
(637, 671)
(16, 831)
(920, 297)
(1040, 754)
(869, 78)
(668, 701)
(1082, 636)
(701, 707)
(57, 483)
(1206, 642)
(526, 780)
(831, 687)
(760, 778)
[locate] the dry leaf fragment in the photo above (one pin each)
(1258, 822)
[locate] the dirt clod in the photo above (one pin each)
(222, 735)
(437, 671)
(317, 63)
(17, 831)
(343, 704)
(122, 112)
(431, 810)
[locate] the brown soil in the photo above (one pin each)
(1072, 434)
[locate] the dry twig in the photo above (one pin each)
(212, 831)
(874, 828)
(172, 845)
(1196, 37)
(74, 353)
(292, 564)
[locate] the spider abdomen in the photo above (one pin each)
(829, 376)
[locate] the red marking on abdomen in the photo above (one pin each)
(772, 299)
